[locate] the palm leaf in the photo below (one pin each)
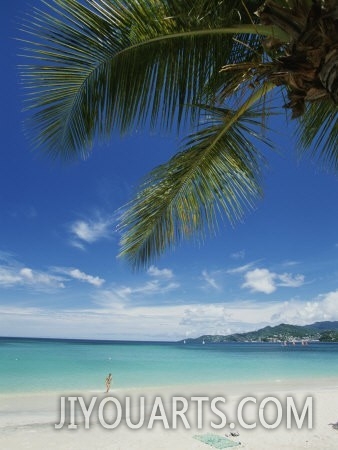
(106, 65)
(218, 170)
(318, 133)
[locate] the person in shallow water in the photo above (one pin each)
(108, 382)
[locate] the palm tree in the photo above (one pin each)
(218, 67)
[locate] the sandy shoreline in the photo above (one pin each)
(27, 421)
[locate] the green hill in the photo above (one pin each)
(322, 331)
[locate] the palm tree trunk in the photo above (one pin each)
(329, 73)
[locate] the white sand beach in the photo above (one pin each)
(27, 421)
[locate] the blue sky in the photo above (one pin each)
(59, 272)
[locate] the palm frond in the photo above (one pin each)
(317, 133)
(104, 65)
(218, 170)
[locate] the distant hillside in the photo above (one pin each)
(324, 326)
(322, 331)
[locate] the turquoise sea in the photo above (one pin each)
(31, 365)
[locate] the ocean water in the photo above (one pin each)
(31, 365)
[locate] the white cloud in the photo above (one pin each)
(262, 280)
(323, 307)
(290, 263)
(289, 280)
(210, 280)
(39, 279)
(81, 276)
(14, 274)
(154, 271)
(118, 320)
(11, 276)
(153, 323)
(241, 269)
(92, 230)
(126, 294)
(77, 244)
(89, 231)
(154, 287)
(114, 318)
(212, 318)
